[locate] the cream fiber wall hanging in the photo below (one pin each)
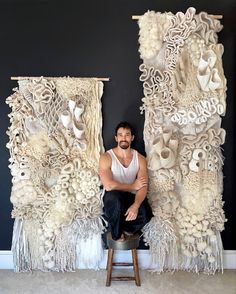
(55, 144)
(185, 92)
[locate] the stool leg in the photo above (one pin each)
(109, 266)
(136, 269)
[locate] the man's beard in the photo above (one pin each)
(124, 144)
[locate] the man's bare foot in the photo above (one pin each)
(122, 238)
(128, 234)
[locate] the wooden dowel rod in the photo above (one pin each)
(218, 16)
(53, 78)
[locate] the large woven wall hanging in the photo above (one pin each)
(55, 144)
(185, 93)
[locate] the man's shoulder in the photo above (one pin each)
(105, 161)
(142, 159)
(140, 155)
(105, 155)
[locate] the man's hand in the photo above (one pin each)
(140, 183)
(132, 212)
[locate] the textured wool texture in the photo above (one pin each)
(55, 143)
(184, 97)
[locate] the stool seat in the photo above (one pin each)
(129, 243)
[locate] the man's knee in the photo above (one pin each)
(145, 212)
(112, 198)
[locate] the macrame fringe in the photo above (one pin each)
(31, 228)
(160, 237)
(200, 263)
(20, 248)
(65, 253)
(90, 252)
(89, 243)
(79, 245)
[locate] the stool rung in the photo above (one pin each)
(123, 278)
(123, 263)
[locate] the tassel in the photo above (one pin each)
(160, 236)
(20, 248)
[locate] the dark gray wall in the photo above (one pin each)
(99, 38)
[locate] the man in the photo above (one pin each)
(123, 172)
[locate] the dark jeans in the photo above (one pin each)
(116, 204)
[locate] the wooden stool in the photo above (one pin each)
(130, 243)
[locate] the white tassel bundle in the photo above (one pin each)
(20, 248)
(160, 236)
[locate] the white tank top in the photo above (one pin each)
(122, 174)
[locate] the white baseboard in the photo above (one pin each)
(229, 256)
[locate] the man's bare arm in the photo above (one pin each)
(142, 173)
(141, 194)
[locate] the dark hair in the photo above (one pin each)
(124, 125)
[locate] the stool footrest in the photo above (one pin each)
(123, 263)
(123, 278)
